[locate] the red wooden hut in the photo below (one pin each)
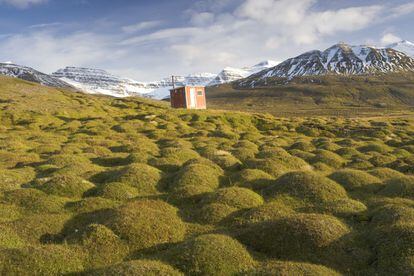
(189, 97)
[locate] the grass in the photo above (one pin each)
(93, 185)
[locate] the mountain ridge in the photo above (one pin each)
(339, 59)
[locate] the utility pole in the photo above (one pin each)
(173, 81)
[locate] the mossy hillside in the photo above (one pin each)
(217, 173)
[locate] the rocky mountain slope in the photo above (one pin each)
(30, 74)
(340, 59)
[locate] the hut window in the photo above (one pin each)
(200, 93)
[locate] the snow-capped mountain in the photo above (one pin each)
(404, 46)
(230, 74)
(340, 59)
(30, 74)
(97, 81)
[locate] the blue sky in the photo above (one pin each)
(147, 40)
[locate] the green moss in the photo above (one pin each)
(308, 186)
(270, 166)
(91, 204)
(214, 213)
(42, 260)
(35, 201)
(135, 223)
(66, 186)
(210, 255)
(252, 179)
(198, 173)
(101, 244)
(355, 180)
(9, 212)
(392, 214)
(117, 191)
(13, 179)
(279, 268)
(375, 147)
(393, 246)
(239, 198)
(303, 146)
(269, 211)
(138, 267)
(385, 173)
(399, 187)
(39, 228)
(329, 158)
(299, 237)
(382, 160)
(140, 176)
(9, 239)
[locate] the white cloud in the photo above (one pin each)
(403, 9)
(212, 39)
(23, 3)
(389, 38)
(141, 26)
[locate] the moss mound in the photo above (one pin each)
(215, 212)
(239, 198)
(136, 223)
(385, 173)
(355, 180)
(269, 211)
(308, 186)
(210, 255)
(270, 166)
(140, 176)
(399, 187)
(394, 246)
(198, 175)
(43, 260)
(39, 228)
(329, 158)
(277, 268)
(138, 267)
(298, 237)
(91, 204)
(102, 245)
(35, 201)
(66, 186)
(392, 214)
(375, 147)
(251, 179)
(117, 191)
(13, 179)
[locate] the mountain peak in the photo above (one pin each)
(339, 59)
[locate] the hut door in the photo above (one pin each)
(193, 98)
